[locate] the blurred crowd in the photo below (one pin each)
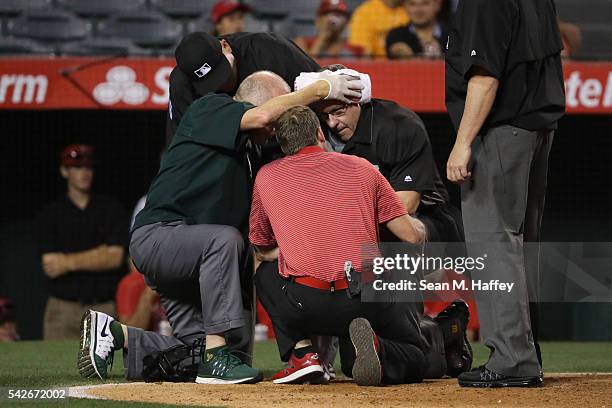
(394, 29)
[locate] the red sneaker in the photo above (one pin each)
(299, 370)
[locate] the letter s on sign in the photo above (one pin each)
(162, 82)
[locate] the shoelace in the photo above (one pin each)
(230, 359)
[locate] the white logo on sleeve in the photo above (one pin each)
(473, 54)
(203, 70)
(408, 179)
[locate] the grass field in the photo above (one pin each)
(53, 364)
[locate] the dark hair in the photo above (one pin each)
(297, 128)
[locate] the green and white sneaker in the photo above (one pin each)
(221, 366)
(97, 345)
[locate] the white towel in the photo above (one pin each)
(308, 78)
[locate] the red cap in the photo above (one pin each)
(225, 7)
(327, 6)
(77, 155)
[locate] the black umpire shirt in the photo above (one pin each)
(394, 139)
(518, 42)
(67, 228)
(253, 52)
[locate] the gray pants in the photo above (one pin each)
(196, 271)
(502, 205)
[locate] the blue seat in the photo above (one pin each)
(144, 27)
(22, 46)
(15, 7)
(104, 47)
(100, 8)
(184, 8)
(48, 26)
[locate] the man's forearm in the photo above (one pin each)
(408, 229)
(101, 258)
(269, 112)
(478, 103)
(410, 199)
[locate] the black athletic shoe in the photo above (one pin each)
(453, 321)
(485, 378)
(367, 369)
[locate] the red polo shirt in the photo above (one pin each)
(320, 208)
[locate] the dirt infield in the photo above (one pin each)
(568, 390)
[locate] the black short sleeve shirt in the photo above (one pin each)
(66, 228)
(253, 52)
(518, 42)
(394, 139)
(204, 175)
(407, 34)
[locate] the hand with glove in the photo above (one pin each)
(357, 90)
(342, 87)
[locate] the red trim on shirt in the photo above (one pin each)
(310, 149)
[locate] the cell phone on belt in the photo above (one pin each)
(353, 278)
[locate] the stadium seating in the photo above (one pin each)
(100, 8)
(184, 8)
(104, 47)
(49, 26)
(594, 17)
(270, 9)
(159, 24)
(201, 24)
(295, 26)
(22, 46)
(15, 7)
(253, 24)
(145, 28)
(596, 41)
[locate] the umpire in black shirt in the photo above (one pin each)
(505, 94)
(209, 64)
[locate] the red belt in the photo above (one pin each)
(311, 282)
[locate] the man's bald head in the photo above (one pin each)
(261, 86)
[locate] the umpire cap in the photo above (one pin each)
(200, 57)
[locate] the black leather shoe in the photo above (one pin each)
(485, 378)
(453, 321)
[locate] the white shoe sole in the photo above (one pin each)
(301, 376)
(86, 362)
(210, 380)
(367, 369)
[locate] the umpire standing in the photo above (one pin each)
(505, 94)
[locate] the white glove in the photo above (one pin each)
(345, 88)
